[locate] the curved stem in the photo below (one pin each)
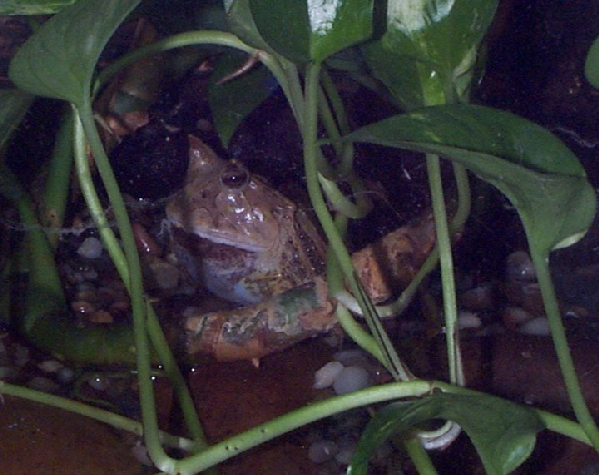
(449, 294)
(133, 280)
(279, 67)
(108, 417)
(309, 133)
(301, 417)
(581, 410)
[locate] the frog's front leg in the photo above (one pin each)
(255, 331)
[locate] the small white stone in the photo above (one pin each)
(468, 320)
(516, 316)
(90, 248)
(39, 383)
(324, 377)
(322, 450)
(537, 326)
(351, 379)
(50, 366)
(351, 357)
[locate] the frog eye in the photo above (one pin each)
(235, 176)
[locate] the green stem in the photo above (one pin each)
(115, 420)
(311, 150)
(540, 261)
(561, 425)
(239, 443)
(135, 286)
(419, 456)
(59, 176)
(445, 255)
(279, 67)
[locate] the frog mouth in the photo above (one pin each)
(233, 238)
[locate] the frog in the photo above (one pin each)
(240, 238)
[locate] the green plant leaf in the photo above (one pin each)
(59, 60)
(33, 7)
(591, 66)
(429, 48)
(241, 22)
(15, 104)
(305, 31)
(231, 101)
(535, 170)
(504, 433)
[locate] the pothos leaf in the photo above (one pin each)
(60, 59)
(429, 48)
(33, 7)
(504, 433)
(533, 168)
(312, 30)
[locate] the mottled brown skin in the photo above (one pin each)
(241, 238)
(250, 245)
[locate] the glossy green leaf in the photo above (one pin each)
(231, 101)
(503, 433)
(429, 49)
(241, 23)
(537, 173)
(14, 107)
(303, 30)
(591, 67)
(33, 7)
(59, 60)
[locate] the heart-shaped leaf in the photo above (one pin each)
(534, 169)
(306, 30)
(429, 48)
(591, 67)
(33, 7)
(503, 433)
(231, 101)
(60, 59)
(14, 107)
(241, 22)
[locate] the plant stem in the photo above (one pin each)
(115, 420)
(59, 176)
(419, 456)
(301, 417)
(311, 151)
(140, 307)
(279, 67)
(444, 245)
(563, 426)
(540, 261)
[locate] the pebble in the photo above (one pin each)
(326, 375)
(81, 306)
(21, 355)
(40, 383)
(7, 372)
(65, 375)
(101, 317)
(345, 455)
(537, 326)
(322, 451)
(90, 248)
(468, 320)
(351, 357)
(513, 317)
(519, 267)
(351, 379)
(50, 366)
(165, 274)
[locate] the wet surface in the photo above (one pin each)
(39, 439)
(235, 396)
